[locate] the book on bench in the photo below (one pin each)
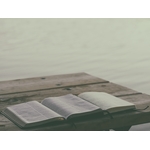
(67, 107)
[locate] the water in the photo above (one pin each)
(113, 49)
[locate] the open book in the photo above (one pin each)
(67, 107)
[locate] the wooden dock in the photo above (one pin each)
(23, 90)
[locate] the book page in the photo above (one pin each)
(106, 101)
(30, 112)
(68, 105)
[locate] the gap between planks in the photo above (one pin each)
(43, 89)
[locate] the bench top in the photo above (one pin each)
(24, 90)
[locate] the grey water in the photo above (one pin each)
(117, 50)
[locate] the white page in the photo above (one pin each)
(68, 105)
(30, 112)
(106, 101)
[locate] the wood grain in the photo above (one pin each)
(50, 82)
(23, 90)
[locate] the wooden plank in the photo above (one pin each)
(111, 88)
(119, 120)
(7, 125)
(140, 100)
(49, 82)
(14, 92)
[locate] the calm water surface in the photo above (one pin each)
(113, 49)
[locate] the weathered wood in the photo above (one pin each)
(111, 88)
(120, 120)
(42, 83)
(140, 100)
(19, 91)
